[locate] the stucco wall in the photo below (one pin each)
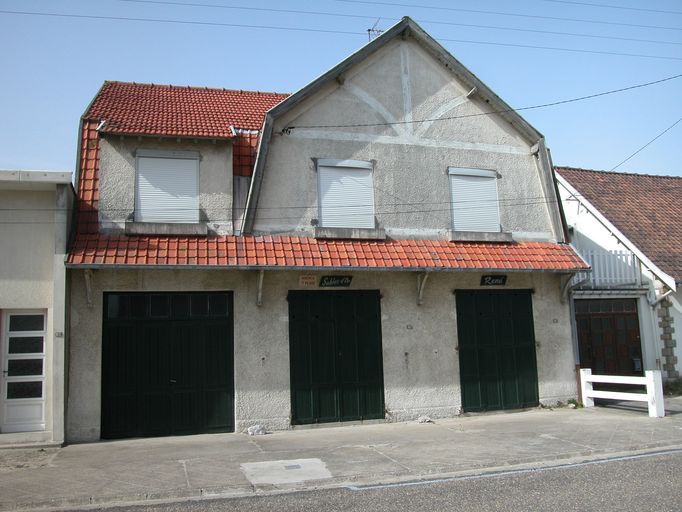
(34, 229)
(400, 82)
(117, 179)
(421, 368)
(27, 248)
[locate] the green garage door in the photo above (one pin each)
(336, 360)
(496, 350)
(167, 364)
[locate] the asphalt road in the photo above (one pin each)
(646, 483)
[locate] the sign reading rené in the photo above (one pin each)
(493, 280)
(327, 281)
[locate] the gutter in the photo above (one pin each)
(118, 266)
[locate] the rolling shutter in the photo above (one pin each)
(167, 190)
(473, 196)
(346, 194)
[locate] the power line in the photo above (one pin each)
(435, 22)
(605, 6)
(327, 31)
(556, 48)
(544, 105)
(498, 13)
(180, 22)
(648, 143)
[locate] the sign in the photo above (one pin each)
(327, 281)
(306, 281)
(493, 280)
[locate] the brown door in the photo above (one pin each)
(608, 336)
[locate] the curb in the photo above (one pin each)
(356, 484)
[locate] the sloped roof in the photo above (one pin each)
(167, 110)
(305, 252)
(94, 249)
(647, 209)
(406, 27)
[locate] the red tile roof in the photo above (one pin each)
(148, 109)
(182, 111)
(647, 209)
(305, 252)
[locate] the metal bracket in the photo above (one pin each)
(259, 294)
(88, 287)
(421, 284)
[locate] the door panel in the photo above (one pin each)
(336, 358)
(22, 371)
(167, 364)
(608, 336)
(498, 368)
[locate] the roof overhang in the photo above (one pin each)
(33, 180)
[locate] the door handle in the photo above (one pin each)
(173, 381)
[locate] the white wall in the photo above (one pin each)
(399, 82)
(117, 179)
(425, 381)
(33, 233)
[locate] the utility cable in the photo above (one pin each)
(498, 13)
(532, 107)
(365, 17)
(324, 31)
(605, 6)
(648, 143)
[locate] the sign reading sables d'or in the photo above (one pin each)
(327, 281)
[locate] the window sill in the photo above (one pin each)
(351, 233)
(166, 228)
(479, 236)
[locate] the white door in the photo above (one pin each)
(22, 384)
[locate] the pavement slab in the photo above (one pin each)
(140, 470)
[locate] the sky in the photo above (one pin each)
(56, 54)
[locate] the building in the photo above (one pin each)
(35, 218)
(382, 244)
(627, 309)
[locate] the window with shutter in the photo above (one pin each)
(346, 194)
(473, 198)
(167, 187)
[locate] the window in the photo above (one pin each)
(167, 187)
(346, 193)
(473, 196)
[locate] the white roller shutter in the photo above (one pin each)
(346, 194)
(473, 195)
(167, 190)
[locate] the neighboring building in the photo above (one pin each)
(35, 217)
(628, 310)
(247, 257)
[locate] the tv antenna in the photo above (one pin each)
(374, 31)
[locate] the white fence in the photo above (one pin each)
(652, 380)
(610, 268)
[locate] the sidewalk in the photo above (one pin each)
(237, 464)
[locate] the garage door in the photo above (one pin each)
(167, 364)
(608, 336)
(496, 343)
(336, 360)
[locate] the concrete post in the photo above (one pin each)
(586, 387)
(654, 390)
